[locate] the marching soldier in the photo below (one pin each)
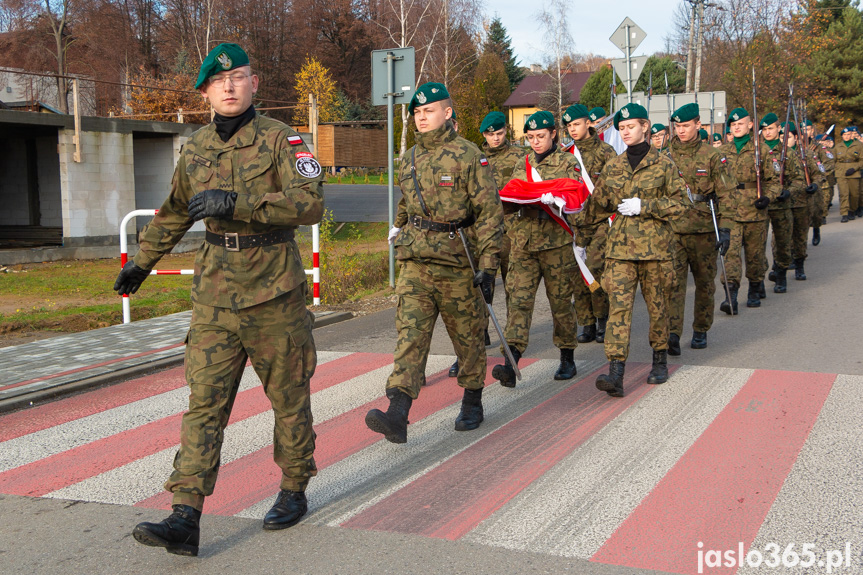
(591, 307)
(596, 115)
(716, 142)
(694, 242)
(447, 189)
(817, 176)
(849, 161)
(750, 233)
(704, 136)
(503, 158)
(644, 189)
(252, 181)
(779, 211)
(541, 250)
(660, 137)
(802, 206)
(828, 158)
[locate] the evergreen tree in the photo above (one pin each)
(660, 66)
(498, 42)
(597, 89)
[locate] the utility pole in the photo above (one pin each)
(689, 63)
(699, 45)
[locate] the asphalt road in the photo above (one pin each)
(359, 202)
(756, 438)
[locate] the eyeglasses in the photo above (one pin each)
(236, 79)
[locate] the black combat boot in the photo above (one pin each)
(816, 236)
(179, 533)
(673, 344)
(772, 275)
(730, 307)
(588, 334)
(289, 508)
(394, 423)
(799, 272)
(781, 281)
(824, 221)
(567, 365)
(505, 373)
(844, 220)
(453, 369)
(487, 338)
(792, 265)
(659, 371)
(470, 415)
(699, 340)
(600, 329)
(752, 299)
(762, 291)
(859, 212)
(851, 216)
(612, 383)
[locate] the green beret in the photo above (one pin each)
(702, 134)
(717, 137)
(791, 126)
(575, 112)
(807, 123)
(686, 112)
(768, 119)
(596, 113)
(428, 93)
(540, 120)
(656, 128)
(737, 114)
(493, 122)
(630, 112)
(221, 58)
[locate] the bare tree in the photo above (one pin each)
(57, 15)
(559, 45)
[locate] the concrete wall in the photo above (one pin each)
(100, 190)
(13, 183)
(50, 201)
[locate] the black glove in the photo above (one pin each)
(485, 281)
(783, 195)
(761, 202)
(724, 241)
(212, 204)
(850, 171)
(811, 188)
(130, 279)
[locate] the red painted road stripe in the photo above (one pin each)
(87, 367)
(70, 467)
(721, 489)
(455, 497)
(253, 478)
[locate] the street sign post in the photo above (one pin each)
(628, 37)
(393, 82)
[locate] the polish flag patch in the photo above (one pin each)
(483, 162)
(295, 140)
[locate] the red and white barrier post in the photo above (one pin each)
(315, 272)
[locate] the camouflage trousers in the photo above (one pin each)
(780, 223)
(277, 337)
(424, 291)
(751, 237)
(849, 195)
(829, 190)
(620, 281)
(817, 208)
(799, 232)
(557, 268)
(592, 305)
(696, 252)
(505, 248)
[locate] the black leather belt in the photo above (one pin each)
(535, 213)
(747, 186)
(448, 227)
(236, 242)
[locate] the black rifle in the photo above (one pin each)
(786, 129)
(757, 142)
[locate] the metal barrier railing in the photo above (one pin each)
(315, 272)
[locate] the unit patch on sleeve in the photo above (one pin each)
(307, 166)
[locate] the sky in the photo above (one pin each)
(590, 23)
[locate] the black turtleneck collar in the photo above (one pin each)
(226, 126)
(636, 153)
(547, 153)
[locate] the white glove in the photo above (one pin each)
(394, 231)
(547, 199)
(630, 207)
(581, 253)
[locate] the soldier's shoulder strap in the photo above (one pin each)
(416, 183)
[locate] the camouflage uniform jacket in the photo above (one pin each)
(742, 167)
(533, 234)
(705, 171)
(595, 154)
(260, 163)
(503, 160)
(816, 176)
(848, 157)
(792, 179)
(647, 236)
(828, 159)
(456, 182)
